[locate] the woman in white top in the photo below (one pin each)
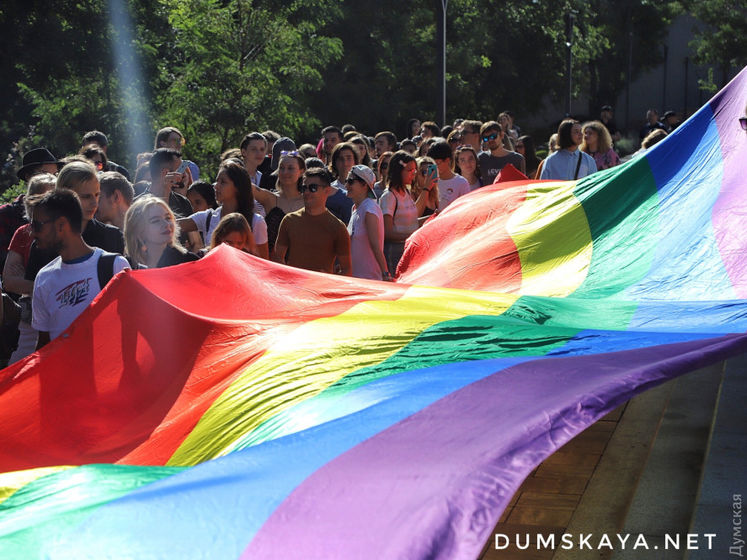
(366, 227)
(400, 211)
(233, 192)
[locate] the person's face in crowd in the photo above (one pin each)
(652, 116)
(410, 148)
(357, 189)
(289, 171)
(171, 177)
(225, 190)
(415, 129)
(493, 138)
(606, 116)
(408, 173)
(426, 133)
(197, 201)
(318, 198)
(443, 166)
(591, 138)
(384, 166)
(44, 230)
(361, 149)
(504, 122)
(106, 209)
(331, 139)
(254, 153)
(344, 162)
(88, 192)
(519, 147)
(467, 163)
(46, 168)
(173, 142)
(576, 135)
(381, 145)
(237, 240)
(97, 162)
(472, 137)
(159, 226)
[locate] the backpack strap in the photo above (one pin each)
(578, 165)
(105, 268)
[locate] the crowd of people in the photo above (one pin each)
(345, 205)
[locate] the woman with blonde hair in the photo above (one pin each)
(152, 236)
(426, 177)
(598, 144)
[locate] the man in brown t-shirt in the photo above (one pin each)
(312, 238)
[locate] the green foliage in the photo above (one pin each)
(240, 67)
(722, 39)
(217, 69)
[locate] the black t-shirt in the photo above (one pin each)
(179, 204)
(172, 256)
(108, 237)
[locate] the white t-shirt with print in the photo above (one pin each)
(63, 290)
(451, 189)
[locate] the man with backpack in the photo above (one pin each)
(65, 287)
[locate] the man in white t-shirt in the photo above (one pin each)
(64, 287)
(450, 185)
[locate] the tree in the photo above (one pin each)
(722, 40)
(239, 67)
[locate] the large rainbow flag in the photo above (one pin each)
(235, 408)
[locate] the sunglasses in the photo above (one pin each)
(351, 180)
(743, 122)
(489, 138)
(313, 187)
(37, 226)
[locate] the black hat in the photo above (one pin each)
(607, 108)
(32, 158)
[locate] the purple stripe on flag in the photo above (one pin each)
(434, 485)
(731, 207)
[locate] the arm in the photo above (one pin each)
(282, 242)
(263, 252)
(13, 275)
(425, 193)
(265, 197)
(186, 225)
(372, 229)
(343, 252)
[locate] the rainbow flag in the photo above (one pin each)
(235, 408)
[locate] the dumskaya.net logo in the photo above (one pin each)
(590, 541)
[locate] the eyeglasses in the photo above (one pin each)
(351, 180)
(489, 138)
(743, 122)
(293, 153)
(37, 226)
(313, 187)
